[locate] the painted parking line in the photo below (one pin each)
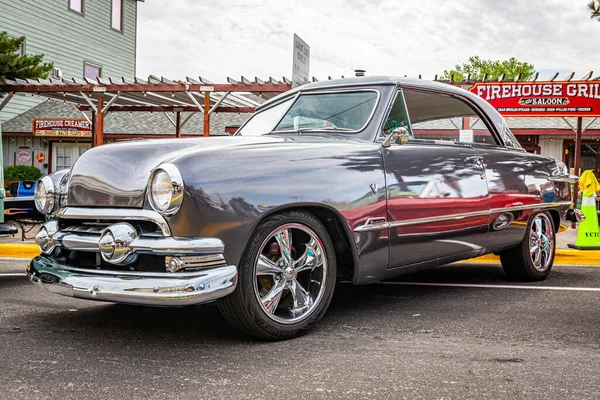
(13, 274)
(484, 286)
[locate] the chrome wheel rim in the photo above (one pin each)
(290, 272)
(541, 242)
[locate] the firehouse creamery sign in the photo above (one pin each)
(542, 99)
(62, 127)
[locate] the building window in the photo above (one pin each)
(91, 71)
(76, 5)
(117, 15)
(63, 158)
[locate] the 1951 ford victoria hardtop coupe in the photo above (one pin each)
(360, 179)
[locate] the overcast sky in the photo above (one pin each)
(216, 39)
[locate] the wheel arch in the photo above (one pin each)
(337, 228)
(555, 215)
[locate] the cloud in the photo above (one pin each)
(179, 38)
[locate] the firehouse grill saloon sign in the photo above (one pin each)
(542, 99)
(62, 127)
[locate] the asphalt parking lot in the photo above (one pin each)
(460, 331)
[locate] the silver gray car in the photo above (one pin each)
(359, 179)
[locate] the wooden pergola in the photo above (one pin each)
(152, 95)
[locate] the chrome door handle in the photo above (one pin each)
(475, 160)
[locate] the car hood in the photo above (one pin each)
(116, 175)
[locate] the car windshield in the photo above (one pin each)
(342, 112)
(263, 122)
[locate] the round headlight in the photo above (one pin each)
(166, 189)
(44, 195)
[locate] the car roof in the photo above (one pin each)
(369, 81)
(405, 82)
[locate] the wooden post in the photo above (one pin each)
(178, 125)
(577, 158)
(206, 114)
(93, 128)
(99, 139)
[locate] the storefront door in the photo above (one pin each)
(64, 155)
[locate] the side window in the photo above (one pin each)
(442, 117)
(397, 118)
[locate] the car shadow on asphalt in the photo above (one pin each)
(97, 321)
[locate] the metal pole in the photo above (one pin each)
(178, 125)
(577, 158)
(206, 114)
(99, 139)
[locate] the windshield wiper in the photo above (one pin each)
(336, 128)
(300, 131)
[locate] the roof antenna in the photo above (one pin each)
(359, 72)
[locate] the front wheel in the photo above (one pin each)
(285, 280)
(532, 260)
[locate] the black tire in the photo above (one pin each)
(518, 262)
(245, 311)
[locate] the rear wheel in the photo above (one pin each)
(285, 280)
(532, 260)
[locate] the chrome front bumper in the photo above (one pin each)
(141, 288)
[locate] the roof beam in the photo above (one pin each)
(195, 101)
(218, 103)
(6, 100)
(185, 121)
(170, 119)
(87, 100)
(23, 87)
(173, 109)
(110, 102)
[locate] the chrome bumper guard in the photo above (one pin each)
(162, 246)
(140, 288)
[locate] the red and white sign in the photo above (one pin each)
(23, 157)
(542, 99)
(72, 127)
(40, 157)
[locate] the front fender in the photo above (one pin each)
(228, 192)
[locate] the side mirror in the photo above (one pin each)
(398, 136)
(575, 215)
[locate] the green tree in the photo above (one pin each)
(14, 65)
(477, 68)
(594, 8)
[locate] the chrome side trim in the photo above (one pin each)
(452, 217)
(418, 221)
(116, 214)
(540, 206)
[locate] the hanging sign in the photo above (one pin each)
(542, 99)
(61, 127)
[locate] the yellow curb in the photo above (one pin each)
(563, 256)
(19, 250)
